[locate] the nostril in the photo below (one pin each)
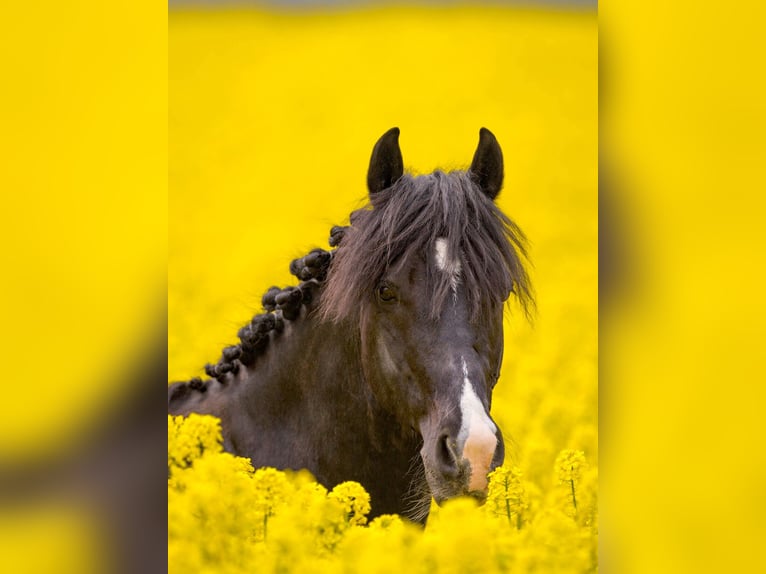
(447, 455)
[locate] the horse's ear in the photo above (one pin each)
(386, 164)
(487, 164)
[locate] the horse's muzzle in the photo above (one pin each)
(460, 470)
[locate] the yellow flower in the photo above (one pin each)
(212, 519)
(507, 496)
(570, 465)
(386, 522)
(191, 437)
(355, 501)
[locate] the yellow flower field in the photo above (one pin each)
(272, 121)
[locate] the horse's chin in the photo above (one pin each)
(478, 496)
(445, 487)
(444, 492)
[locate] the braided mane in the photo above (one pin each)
(279, 304)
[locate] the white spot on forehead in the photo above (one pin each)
(448, 264)
(441, 253)
(476, 439)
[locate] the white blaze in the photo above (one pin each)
(477, 437)
(448, 264)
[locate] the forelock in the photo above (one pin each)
(408, 218)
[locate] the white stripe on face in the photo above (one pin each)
(447, 264)
(476, 438)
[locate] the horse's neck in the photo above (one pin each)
(304, 404)
(308, 365)
(305, 386)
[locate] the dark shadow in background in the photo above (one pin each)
(117, 475)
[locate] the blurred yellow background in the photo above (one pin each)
(84, 212)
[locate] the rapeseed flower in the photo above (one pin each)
(507, 496)
(191, 437)
(570, 465)
(225, 516)
(355, 501)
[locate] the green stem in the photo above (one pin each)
(574, 498)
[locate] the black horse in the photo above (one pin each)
(379, 366)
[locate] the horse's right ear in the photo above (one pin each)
(386, 165)
(487, 165)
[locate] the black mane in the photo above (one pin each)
(406, 219)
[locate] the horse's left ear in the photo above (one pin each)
(386, 165)
(487, 164)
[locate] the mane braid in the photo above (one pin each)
(405, 220)
(280, 304)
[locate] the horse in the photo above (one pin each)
(379, 366)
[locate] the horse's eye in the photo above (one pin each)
(386, 293)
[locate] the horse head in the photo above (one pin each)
(423, 273)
